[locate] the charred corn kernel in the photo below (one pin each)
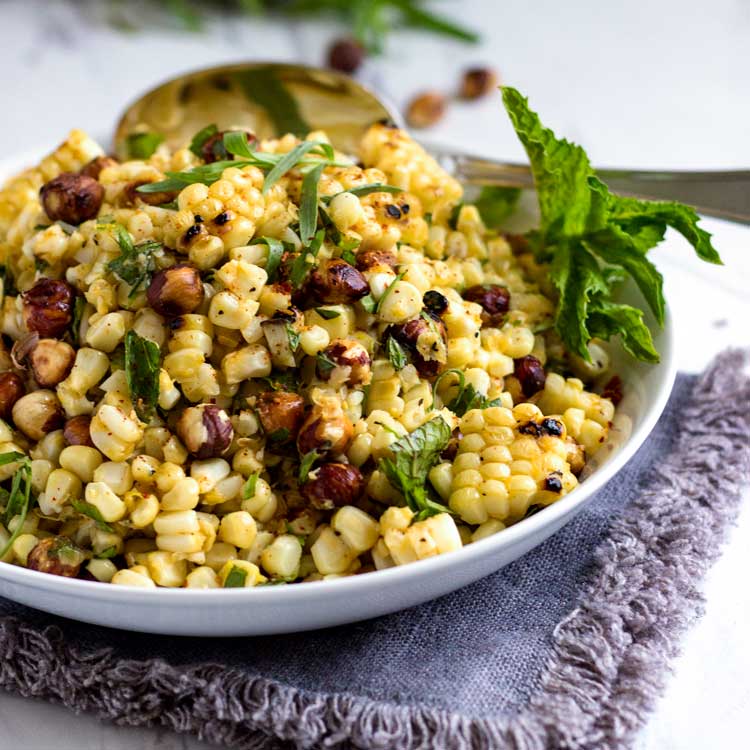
(111, 507)
(238, 529)
(252, 574)
(202, 577)
(434, 536)
(165, 570)
(137, 576)
(81, 460)
(62, 486)
(230, 311)
(331, 553)
(103, 570)
(358, 529)
(281, 558)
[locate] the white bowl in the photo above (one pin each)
(283, 609)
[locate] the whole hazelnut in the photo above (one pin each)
(48, 307)
(51, 361)
(37, 414)
(530, 374)
(376, 260)
(333, 485)
(56, 555)
(11, 389)
(280, 414)
(408, 334)
(345, 55)
(175, 291)
(346, 353)
(72, 198)
(95, 167)
(336, 282)
(213, 149)
(426, 109)
(205, 430)
(478, 82)
(131, 195)
(77, 431)
(494, 300)
(326, 429)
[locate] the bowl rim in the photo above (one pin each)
(373, 581)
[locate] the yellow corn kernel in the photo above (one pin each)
(81, 460)
(103, 570)
(182, 496)
(111, 507)
(252, 574)
(165, 570)
(359, 530)
(238, 529)
(136, 576)
(145, 509)
(281, 558)
(202, 578)
(331, 553)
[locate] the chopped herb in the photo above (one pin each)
(453, 218)
(293, 337)
(369, 304)
(292, 159)
(303, 263)
(467, 397)
(428, 218)
(87, 509)
(41, 227)
(308, 208)
(142, 366)
(275, 254)
(170, 205)
(583, 226)
(40, 264)
(279, 436)
(248, 489)
(495, 204)
(347, 244)
(396, 353)
(306, 464)
(349, 256)
(236, 578)
(69, 229)
(388, 290)
(79, 307)
(106, 554)
(325, 363)
(19, 500)
(326, 313)
(142, 145)
(200, 138)
(135, 264)
(413, 457)
(362, 190)
(278, 381)
(9, 284)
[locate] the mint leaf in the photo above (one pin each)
(306, 464)
(143, 145)
(607, 319)
(396, 354)
(495, 204)
(200, 138)
(87, 509)
(142, 366)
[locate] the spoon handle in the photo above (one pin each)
(725, 194)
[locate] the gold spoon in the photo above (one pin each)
(276, 98)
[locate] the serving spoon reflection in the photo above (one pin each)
(275, 98)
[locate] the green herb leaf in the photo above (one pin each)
(79, 307)
(236, 578)
(106, 554)
(279, 436)
(87, 509)
(293, 337)
(362, 190)
(248, 489)
(305, 260)
(306, 464)
(495, 204)
(287, 162)
(326, 313)
(467, 397)
(143, 145)
(413, 457)
(324, 363)
(388, 290)
(135, 264)
(349, 256)
(308, 209)
(369, 304)
(275, 254)
(396, 353)
(19, 500)
(200, 138)
(142, 365)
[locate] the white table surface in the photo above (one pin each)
(659, 83)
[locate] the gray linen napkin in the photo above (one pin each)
(567, 647)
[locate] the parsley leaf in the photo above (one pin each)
(135, 264)
(87, 509)
(143, 145)
(142, 366)
(413, 457)
(586, 231)
(396, 353)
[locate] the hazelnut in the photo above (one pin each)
(493, 299)
(333, 485)
(95, 167)
(350, 354)
(11, 389)
(407, 334)
(336, 282)
(326, 429)
(376, 260)
(426, 109)
(72, 198)
(280, 414)
(478, 82)
(37, 414)
(530, 374)
(613, 390)
(213, 149)
(77, 431)
(48, 307)
(175, 291)
(130, 195)
(205, 430)
(51, 361)
(345, 55)
(56, 555)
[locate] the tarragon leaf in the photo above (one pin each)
(142, 367)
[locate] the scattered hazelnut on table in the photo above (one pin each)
(72, 198)
(478, 82)
(426, 109)
(345, 55)
(175, 291)
(205, 430)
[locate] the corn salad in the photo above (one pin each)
(229, 383)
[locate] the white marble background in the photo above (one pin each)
(648, 83)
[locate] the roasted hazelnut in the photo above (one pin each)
(205, 430)
(131, 195)
(530, 374)
(435, 302)
(336, 282)
(213, 149)
(281, 414)
(96, 166)
(326, 429)
(77, 431)
(48, 307)
(493, 299)
(11, 389)
(345, 55)
(345, 353)
(478, 82)
(333, 485)
(37, 414)
(376, 260)
(51, 361)
(451, 450)
(72, 198)
(407, 334)
(426, 109)
(56, 555)
(175, 291)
